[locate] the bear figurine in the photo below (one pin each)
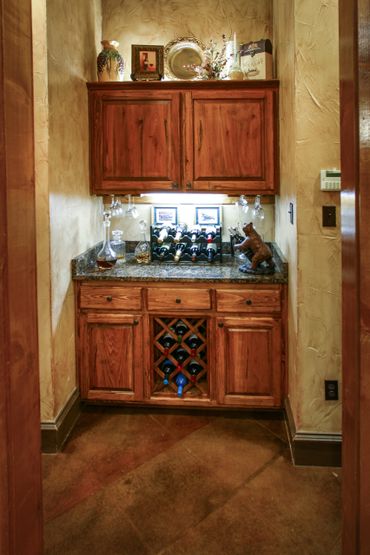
(260, 251)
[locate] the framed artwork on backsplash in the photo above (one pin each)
(146, 62)
(207, 215)
(165, 215)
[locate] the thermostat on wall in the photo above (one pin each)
(330, 180)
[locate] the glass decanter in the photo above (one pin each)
(119, 245)
(106, 257)
(142, 250)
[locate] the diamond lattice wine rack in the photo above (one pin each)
(180, 357)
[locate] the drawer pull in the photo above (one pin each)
(221, 325)
(177, 301)
(175, 185)
(109, 298)
(248, 302)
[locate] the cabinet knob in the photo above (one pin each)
(175, 185)
(177, 301)
(248, 302)
(189, 185)
(221, 325)
(135, 322)
(109, 298)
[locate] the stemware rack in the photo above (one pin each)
(168, 345)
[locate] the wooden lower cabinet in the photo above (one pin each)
(111, 365)
(249, 361)
(239, 348)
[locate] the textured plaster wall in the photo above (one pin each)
(68, 217)
(140, 22)
(41, 126)
(310, 142)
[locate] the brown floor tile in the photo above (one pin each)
(102, 452)
(175, 484)
(281, 511)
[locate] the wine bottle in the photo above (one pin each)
(180, 230)
(180, 355)
(167, 368)
(163, 234)
(211, 251)
(179, 251)
(164, 250)
(194, 368)
(210, 234)
(180, 330)
(195, 252)
(167, 341)
(181, 382)
(194, 342)
(194, 233)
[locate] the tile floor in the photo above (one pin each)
(160, 483)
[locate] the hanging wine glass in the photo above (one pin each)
(116, 206)
(258, 212)
(131, 211)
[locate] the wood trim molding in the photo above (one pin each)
(312, 449)
(55, 433)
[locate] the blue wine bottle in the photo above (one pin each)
(167, 368)
(181, 382)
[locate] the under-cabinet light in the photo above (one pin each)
(185, 198)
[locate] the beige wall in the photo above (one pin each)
(68, 217)
(306, 42)
(140, 22)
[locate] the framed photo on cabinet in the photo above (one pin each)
(207, 215)
(146, 62)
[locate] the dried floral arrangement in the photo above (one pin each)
(214, 61)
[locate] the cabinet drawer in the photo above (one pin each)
(109, 297)
(179, 299)
(248, 300)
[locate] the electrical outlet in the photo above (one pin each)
(331, 390)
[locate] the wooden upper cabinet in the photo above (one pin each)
(231, 141)
(134, 141)
(215, 136)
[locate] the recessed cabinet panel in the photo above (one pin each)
(136, 139)
(228, 140)
(112, 357)
(248, 371)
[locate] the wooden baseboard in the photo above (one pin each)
(55, 433)
(312, 449)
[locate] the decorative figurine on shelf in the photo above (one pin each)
(259, 254)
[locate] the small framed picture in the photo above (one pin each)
(165, 215)
(207, 215)
(146, 62)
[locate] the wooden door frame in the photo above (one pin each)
(20, 452)
(354, 47)
(20, 470)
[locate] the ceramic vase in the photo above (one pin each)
(110, 63)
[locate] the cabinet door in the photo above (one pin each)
(134, 141)
(231, 141)
(111, 358)
(249, 354)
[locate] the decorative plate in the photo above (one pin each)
(179, 55)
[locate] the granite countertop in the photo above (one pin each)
(84, 268)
